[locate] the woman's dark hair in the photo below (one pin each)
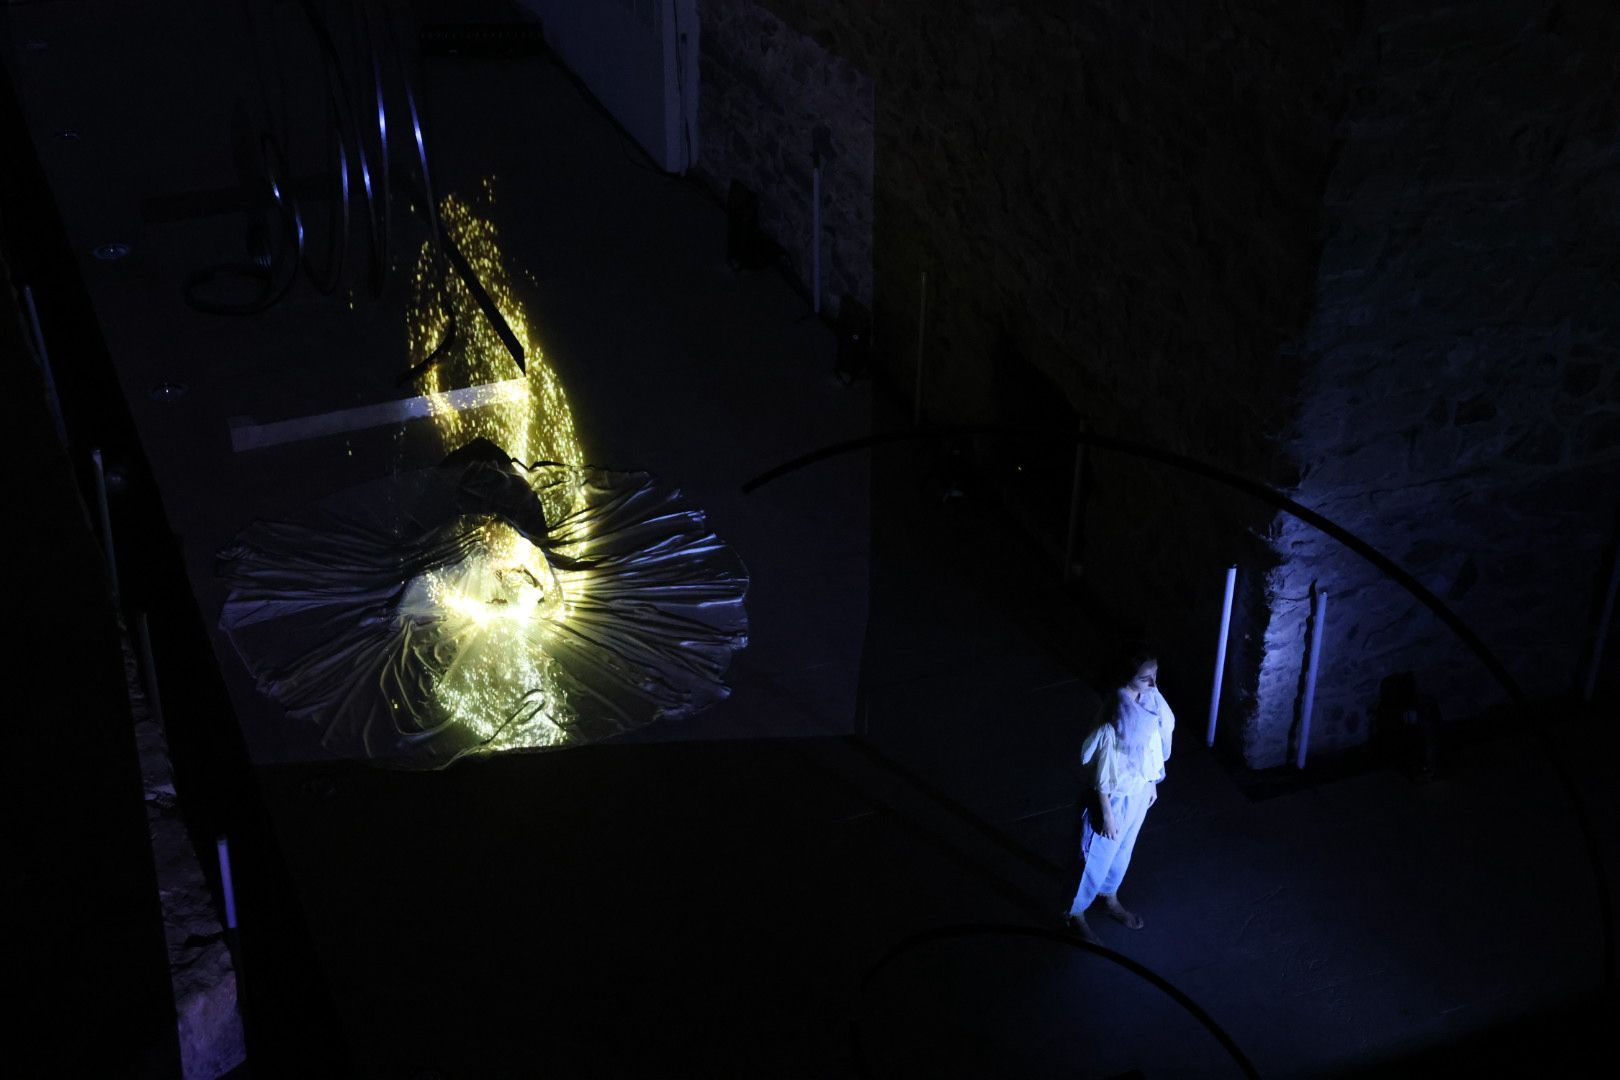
(1128, 660)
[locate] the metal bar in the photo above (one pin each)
(247, 435)
(922, 322)
(815, 237)
(1220, 655)
(143, 639)
(1318, 624)
(45, 365)
(106, 518)
(480, 295)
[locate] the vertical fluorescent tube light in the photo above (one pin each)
(922, 321)
(226, 886)
(1318, 624)
(1220, 655)
(815, 229)
(1602, 637)
(106, 517)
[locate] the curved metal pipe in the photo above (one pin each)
(1147, 452)
(337, 104)
(264, 268)
(966, 930)
(1267, 494)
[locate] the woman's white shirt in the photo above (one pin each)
(1130, 742)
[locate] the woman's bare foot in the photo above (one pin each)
(1131, 919)
(1077, 923)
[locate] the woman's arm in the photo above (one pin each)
(1110, 824)
(1098, 755)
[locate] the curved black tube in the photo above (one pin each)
(964, 930)
(1268, 494)
(337, 103)
(379, 194)
(274, 262)
(1263, 492)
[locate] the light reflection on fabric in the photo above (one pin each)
(509, 598)
(436, 613)
(534, 422)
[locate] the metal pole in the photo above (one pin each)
(1220, 655)
(1318, 624)
(922, 322)
(143, 637)
(106, 517)
(815, 229)
(1602, 637)
(1076, 500)
(45, 365)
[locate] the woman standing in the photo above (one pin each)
(1124, 757)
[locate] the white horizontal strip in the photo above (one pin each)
(247, 435)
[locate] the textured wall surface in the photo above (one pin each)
(764, 90)
(1127, 196)
(1360, 251)
(1462, 406)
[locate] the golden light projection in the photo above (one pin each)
(531, 420)
(496, 608)
(500, 601)
(479, 605)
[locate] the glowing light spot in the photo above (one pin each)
(498, 604)
(532, 423)
(495, 610)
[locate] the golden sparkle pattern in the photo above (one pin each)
(497, 608)
(499, 605)
(625, 613)
(531, 419)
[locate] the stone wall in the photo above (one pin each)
(1462, 406)
(1131, 193)
(764, 90)
(1125, 194)
(1361, 252)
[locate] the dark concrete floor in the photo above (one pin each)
(710, 900)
